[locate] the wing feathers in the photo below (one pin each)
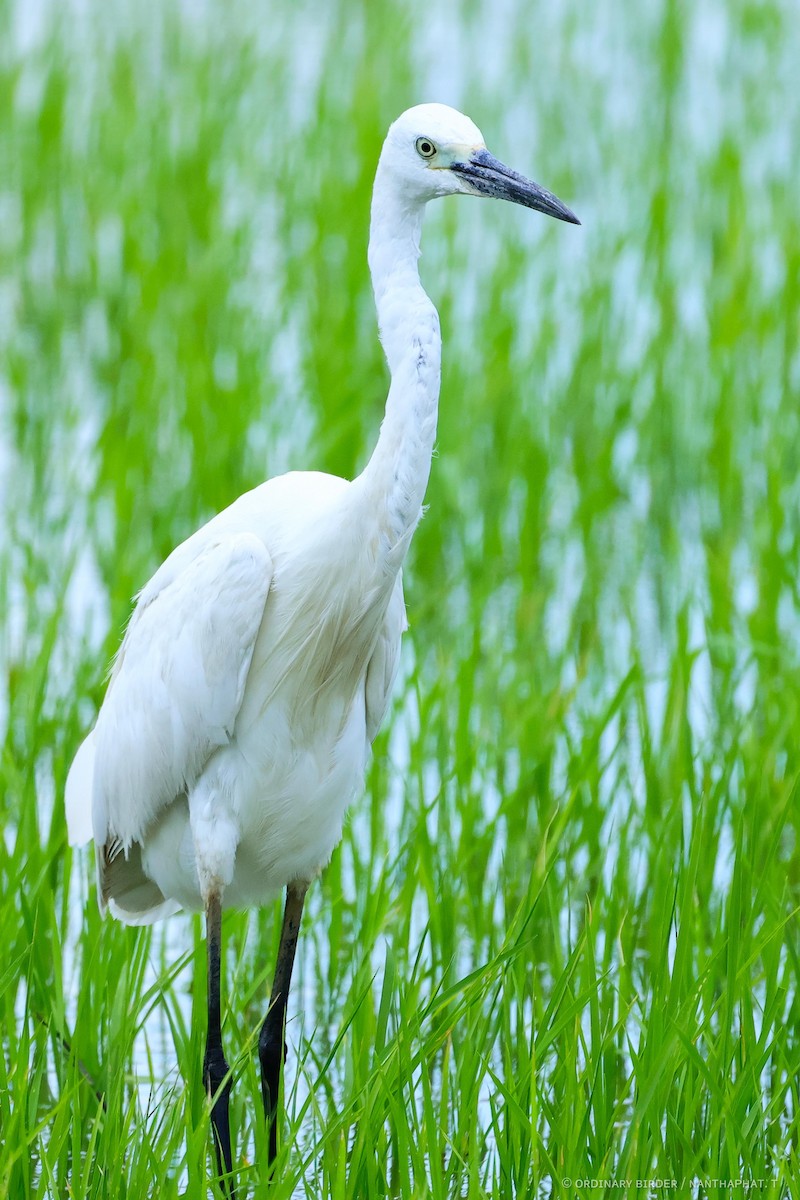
(382, 667)
(78, 794)
(177, 685)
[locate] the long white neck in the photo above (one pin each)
(396, 475)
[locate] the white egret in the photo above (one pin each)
(258, 662)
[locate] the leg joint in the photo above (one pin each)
(215, 1069)
(271, 1044)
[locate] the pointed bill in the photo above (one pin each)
(487, 176)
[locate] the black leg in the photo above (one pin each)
(215, 1068)
(271, 1041)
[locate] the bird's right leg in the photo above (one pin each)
(216, 1073)
(272, 1039)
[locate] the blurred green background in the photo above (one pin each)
(560, 938)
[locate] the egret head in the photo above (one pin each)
(432, 150)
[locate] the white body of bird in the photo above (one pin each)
(255, 671)
(259, 660)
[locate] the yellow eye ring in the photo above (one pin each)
(425, 147)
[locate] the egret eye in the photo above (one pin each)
(425, 147)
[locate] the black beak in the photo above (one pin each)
(487, 176)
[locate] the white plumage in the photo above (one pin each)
(234, 731)
(259, 660)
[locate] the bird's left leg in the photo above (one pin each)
(271, 1041)
(215, 837)
(216, 1072)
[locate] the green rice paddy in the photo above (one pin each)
(559, 946)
